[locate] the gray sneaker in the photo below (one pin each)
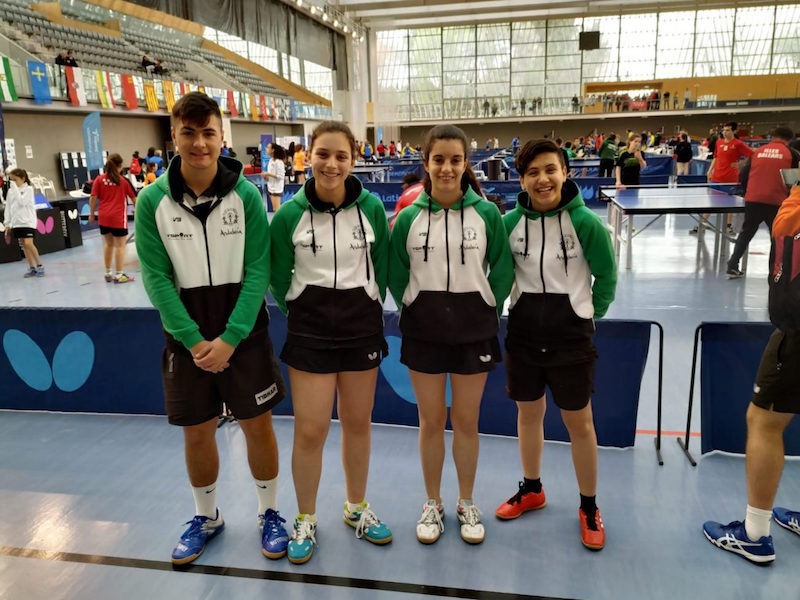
(733, 273)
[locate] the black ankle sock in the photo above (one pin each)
(532, 485)
(589, 507)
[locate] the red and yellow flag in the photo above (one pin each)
(169, 94)
(150, 96)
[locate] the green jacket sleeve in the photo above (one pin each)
(599, 252)
(256, 267)
(498, 254)
(157, 273)
(399, 261)
(380, 249)
(282, 253)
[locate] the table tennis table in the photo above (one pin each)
(624, 204)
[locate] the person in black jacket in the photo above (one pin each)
(775, 402)
(683, 154)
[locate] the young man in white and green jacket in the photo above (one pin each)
(565, 276)
(202, 238)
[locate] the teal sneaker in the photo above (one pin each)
(367, 525)
(301, 546)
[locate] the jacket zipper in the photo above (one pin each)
(541, 274)
(447, 245)
(335, 264)
(208, 255)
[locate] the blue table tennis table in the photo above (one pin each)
(624, 204)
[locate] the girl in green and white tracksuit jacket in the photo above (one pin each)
(329, 271)
(450, 270)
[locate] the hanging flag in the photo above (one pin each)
(93, 141)
(75, 89)
(3, 159)
(150, 96)
(254, 107)
(232, 105)
(182, 87)
(169, 94)
(245, 105)
(274, 108)
(8, 92)
(262, 101)
(40, 86)
(201, 89)
(104, 89)
(129, 92)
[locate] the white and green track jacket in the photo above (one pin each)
(205, 268)
(329, 267)
(565, 274)
(438, 269)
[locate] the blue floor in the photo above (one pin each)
(90, 492)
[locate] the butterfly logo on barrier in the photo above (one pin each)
(72, 214)
(46, 226)
(73, 361)
(396, 374)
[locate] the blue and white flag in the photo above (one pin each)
(93, 141)
(40, 86)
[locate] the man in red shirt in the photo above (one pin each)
(764, 190)
(724, 167)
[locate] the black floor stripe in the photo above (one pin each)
(292, 577)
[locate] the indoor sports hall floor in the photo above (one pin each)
(93, 504)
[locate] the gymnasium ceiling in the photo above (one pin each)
(399, 14)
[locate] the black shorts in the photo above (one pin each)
(114, 231)
(568, 373)
(461, 359)
(251, 386)
(336, 360)
(777, 384)
(20, 233)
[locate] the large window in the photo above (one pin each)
(753, 40)
(483, 70)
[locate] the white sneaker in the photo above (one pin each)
(469, 516)
(430, 525)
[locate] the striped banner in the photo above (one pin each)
(150, 96)
(104, 88)
(253, 107)
(262, 101)
(169, 94)
(232, 105)
(8, 93)
(129, 92)
(75, 89)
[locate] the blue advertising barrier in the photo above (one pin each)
(729, 358)
(68, 360)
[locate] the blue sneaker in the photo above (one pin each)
(733, 537)
(274, 538)
(788, 519)
(301, 546)
(193, 541)
(367, 525)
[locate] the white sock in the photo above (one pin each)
(205, 500)
(267, 492)
(756, 522)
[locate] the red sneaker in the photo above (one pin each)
(519, 503)
(594, 539)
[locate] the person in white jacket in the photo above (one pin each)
(275, 175)
(20, 219)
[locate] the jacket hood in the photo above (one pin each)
(307, 195)
(469, 198)
(230, 173)
(570, 199)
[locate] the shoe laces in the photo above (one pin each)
(272, 521)
(470, 514)
(365, 521)
(304, 530)
(431, 516)
(517, 498)
(199, 524)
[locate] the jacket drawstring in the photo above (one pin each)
(428, 234)
(563, 243)
(364, 234)
(462, 230)
(313, 236)
(526, 237)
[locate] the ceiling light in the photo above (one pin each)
(299, 2)
(313, 9)
(361, 39)
(344, 28)
(325, 17)
(336, 22)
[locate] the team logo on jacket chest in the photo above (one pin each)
(470, 238)
(230, 222)
(359, 242)
(570, 247)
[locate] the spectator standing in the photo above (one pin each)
(683, 155)
(764, 191)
